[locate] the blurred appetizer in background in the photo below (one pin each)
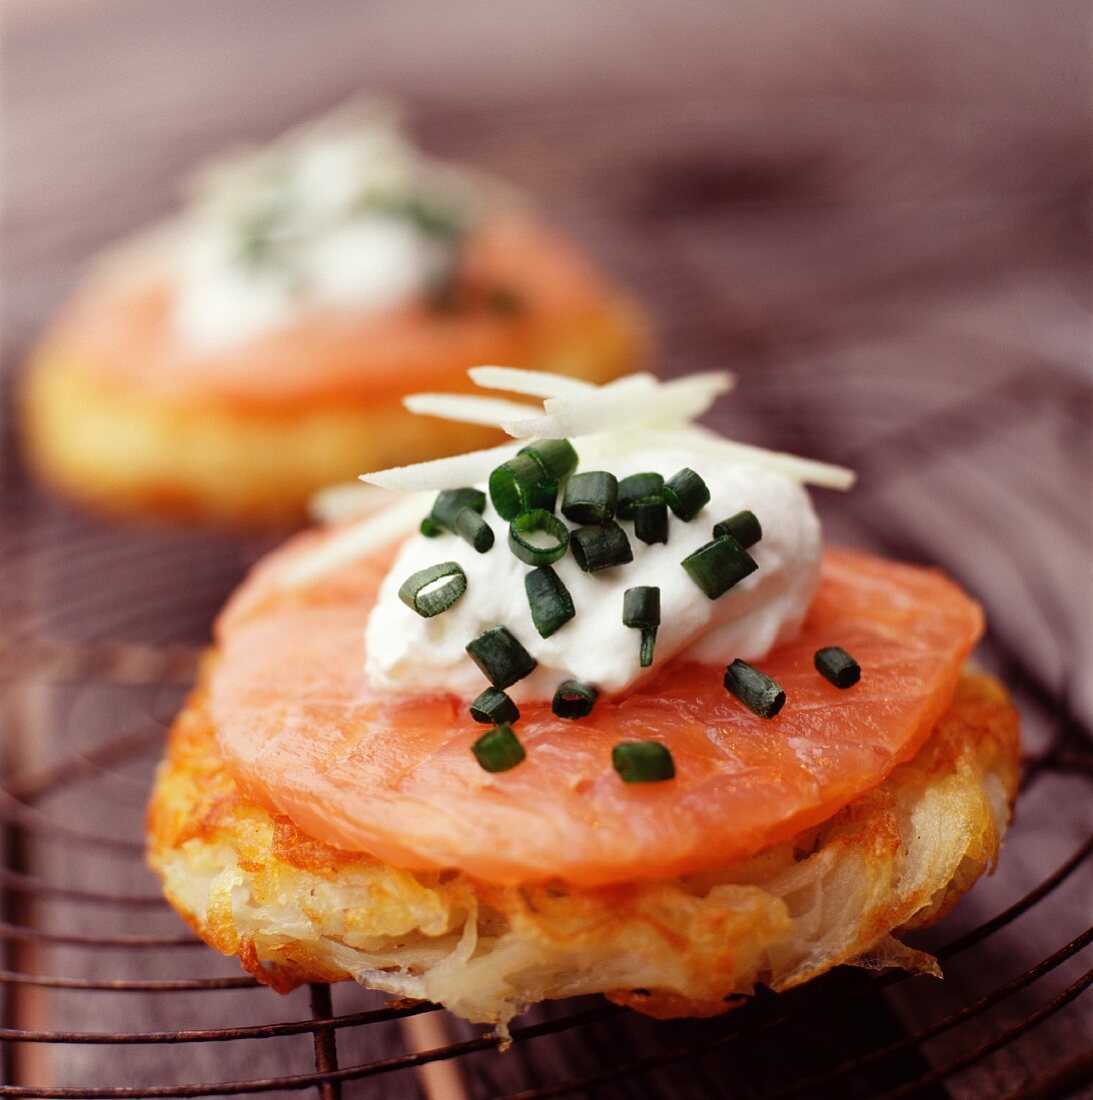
(226, 365)
(591, 712)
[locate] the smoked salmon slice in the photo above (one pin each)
(124, 325)
(394, 776)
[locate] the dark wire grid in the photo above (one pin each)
(324, 1024)
(1068, 752)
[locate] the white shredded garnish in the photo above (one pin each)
(443, 473)
(340, 502)
(572, 408)
(615, 407)
(641, 380)
(807, 471)
(345, 547)
(531, 383)
(467, 408)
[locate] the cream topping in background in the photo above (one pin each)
(317, 219)
(410, 654)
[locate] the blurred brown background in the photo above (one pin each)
(876, 212)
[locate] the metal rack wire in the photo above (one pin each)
(86, 939)
(80, 946)
(40, 810)
(766, 1015)
(75, 943)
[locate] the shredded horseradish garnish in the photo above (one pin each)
(571, 409)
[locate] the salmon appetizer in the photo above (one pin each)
(225, 366)
(594, 711)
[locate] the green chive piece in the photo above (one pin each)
(634, 488)
(686, 493)
(641, 609)
(494, 706)
(641, 606)
(498, 749)
(596, 548)
(743, 527)
(590, 497)
(836, 665)
(433, 590)
(643, 762)
(512, 484)
(755, 689)
(426, 212)
(544, 494)
(473, 529)
(550, 602)
(651, 520)
(557, 457)
(446, 516)
(451, 502)
(574, 699)
(537, 537)
(502, 659)
(718, 565)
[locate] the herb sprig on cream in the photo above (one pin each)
(614, 530)
(344, 212)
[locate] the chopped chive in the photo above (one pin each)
(426, 212)
(498, 749)
(513, 484)
(651, 520)
(574, 699)
(502, 659)
(596, 548)
(743, 527)
(473, 529)
(641, 606)
(549, 600)
(544, 494)
(590, 497)
(494, 706)
(643, 762)
(451, 502)
(641, 609)
(557, 457)
(634, 488)
(755, 689)
(686, 493)
(836, 665)
(553, 538)
(433, 590)
(718, 565)
(448, 515)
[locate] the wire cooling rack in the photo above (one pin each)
(906, 307)
(87, 940)
(29, 940)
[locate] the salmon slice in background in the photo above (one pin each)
(122, 323)
(394, 776)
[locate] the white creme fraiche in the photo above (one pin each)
(289, 230)
(409, 654)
